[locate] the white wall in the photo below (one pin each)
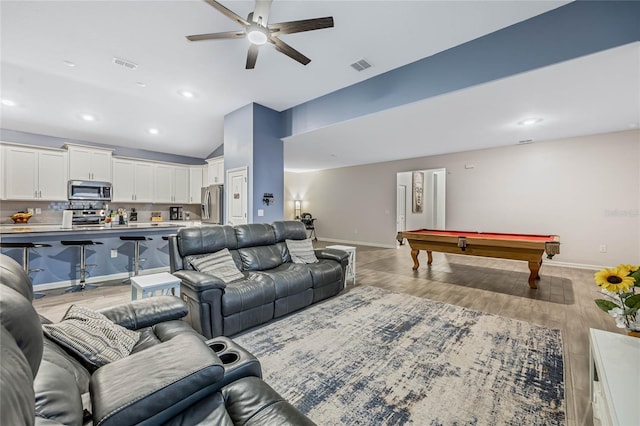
(585, 189)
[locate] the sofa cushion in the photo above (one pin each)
(289, 279)
(325, 272)
(220, 264)
(57, 395)
(246, 294)
(301, 251)
(260, 258)
(255, 234)
(289, 230)
(92, 336)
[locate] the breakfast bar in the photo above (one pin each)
(113, 258)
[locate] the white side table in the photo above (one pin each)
(614, 360)
(147, 285)
(351, 267)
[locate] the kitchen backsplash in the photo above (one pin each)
(51, 212)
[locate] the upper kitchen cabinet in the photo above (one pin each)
(196, 182)
(215, 170)
(171, 184)
(88, 163)
(34, 174)
(132, 181)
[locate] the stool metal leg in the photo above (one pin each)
(83, 273)
(25, 265)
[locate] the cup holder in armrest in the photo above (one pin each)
(218, 347)
(229, 357)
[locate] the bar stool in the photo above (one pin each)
(25, 258)
(83, 263)
(136, 258)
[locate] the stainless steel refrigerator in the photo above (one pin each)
(211, 204)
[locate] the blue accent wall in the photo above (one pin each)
(268, 163)
(252, 139)
(576, 29)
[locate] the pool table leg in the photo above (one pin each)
(534, 267)
(429, 258)
(414, 256)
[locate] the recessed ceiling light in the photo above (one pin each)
(530, 121)
(153, 131)
(69, 63)
(187, 94)
(8, 102)
(141, 84)
(88, 117)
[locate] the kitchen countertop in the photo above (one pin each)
(18, 229)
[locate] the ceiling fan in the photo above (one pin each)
(259, 31)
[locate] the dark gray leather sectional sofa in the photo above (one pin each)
(172, 376)
(273, 286)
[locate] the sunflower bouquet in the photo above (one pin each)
(622, 303)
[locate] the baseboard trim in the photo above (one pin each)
(94, 280)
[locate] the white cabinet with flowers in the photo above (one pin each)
(34, 173)
(88, 163)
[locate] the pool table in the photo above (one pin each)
(525, 247)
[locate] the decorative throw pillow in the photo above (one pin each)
(301, 251)
(220, 264)
(91, 336)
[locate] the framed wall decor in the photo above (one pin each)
(417, 190)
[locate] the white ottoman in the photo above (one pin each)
(147, 285)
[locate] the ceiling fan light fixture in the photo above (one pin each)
(257, 35)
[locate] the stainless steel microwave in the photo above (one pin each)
(89, 191)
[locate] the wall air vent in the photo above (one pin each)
(525, 141)
(124, 63)
(361, 65)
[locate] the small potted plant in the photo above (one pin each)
(622, 303)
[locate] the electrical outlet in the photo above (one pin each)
(30, 210)
(603, 248)
(114, 253)
(38, 210)
(260, 212)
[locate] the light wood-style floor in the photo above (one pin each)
(563, 300)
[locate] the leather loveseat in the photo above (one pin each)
(272, 285)
(171, 377)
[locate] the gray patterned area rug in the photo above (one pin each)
(375, 357)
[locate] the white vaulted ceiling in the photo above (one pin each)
(38, 36)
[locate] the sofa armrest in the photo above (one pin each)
(154, 385)
(199, 281)
(146, 312)
(339, 256)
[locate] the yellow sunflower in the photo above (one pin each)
(614, 279)
(629, 268)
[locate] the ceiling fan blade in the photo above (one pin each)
(301, 26)
(227, 12)
(262, 9)
(217, 36)
(283, 47)
(252, 56)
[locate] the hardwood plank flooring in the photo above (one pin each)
(563, 300)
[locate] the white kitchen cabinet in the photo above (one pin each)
(35, 174)
(132, 181)
(86, 163)
(171, 184)
(215, 168)
(196, 182)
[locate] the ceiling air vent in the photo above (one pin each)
(124, 63)
(361, 65)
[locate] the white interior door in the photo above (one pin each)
(237, 196)
(401, 208)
